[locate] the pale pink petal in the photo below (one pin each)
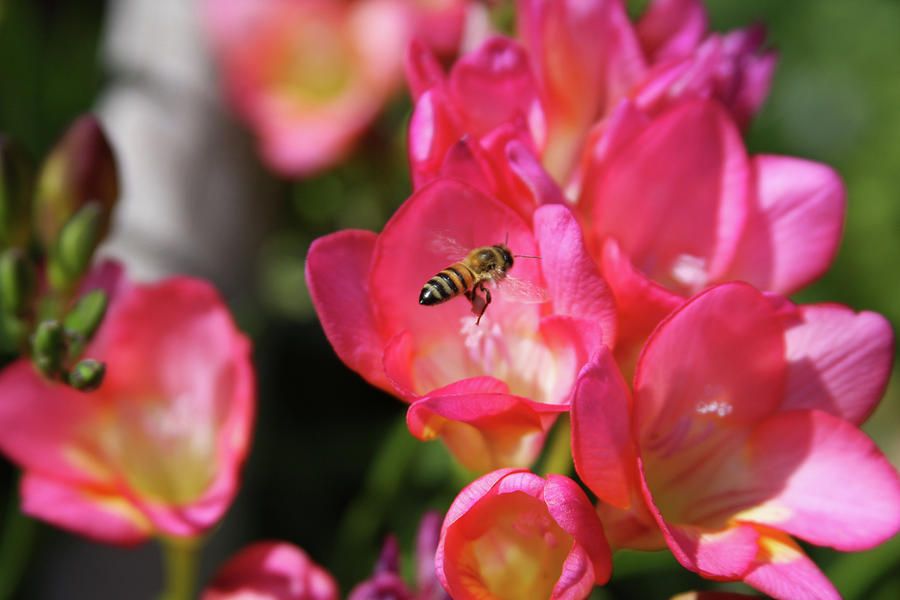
(827, 482)
(97, 513)
(839, 361)
(794, 226)
(573, 511)
(573, 281)
(602, 446)
(340, 296)
(676, 208)
(271, 570)
(783, 571)
(672, 28)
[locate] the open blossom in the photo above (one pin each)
(514, 535)
(158, 448)
(309, 76)
(489, 390)
(741, 432)
(271, 571)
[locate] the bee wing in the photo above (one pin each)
(446, 246)
(521, 290)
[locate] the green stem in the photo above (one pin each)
(15, 546)
(180, 556)
(558, 458)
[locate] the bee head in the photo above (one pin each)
(507, 257)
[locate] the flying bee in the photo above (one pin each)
(469, 276)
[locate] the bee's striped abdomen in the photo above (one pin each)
(449, 283)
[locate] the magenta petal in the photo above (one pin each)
(672, 28)
(832, 486)
(839, 361)
(572, 510)
(423, 71)
(528, 170)
(602, 446)
(794, 226)
(340, 298)
(573, 281)
(722, 554)
(94, 513)
(676, 209)
(783, 571)
(433, 129)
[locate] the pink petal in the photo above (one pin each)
(99, 514)
(672, 28)
(744, 83)
(716, 363)
(783, 571)
(587, 58)
(423, 71)
(839, 360)
(337, 273)
(484, 430)
(528, 170)
(466, 162)
(573, 281)
(634, 528)
(602, 446)
(271, 569)
(794, 226)
(433, 129)
(413, 247)
(827, 482)
(676, 209)
(572, 510)
(494, 85)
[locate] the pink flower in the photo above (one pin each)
(674, 204)
(512, 534)
(492, 390)
(271, 571)
(309, 76)
(741, 432)
(157, 449)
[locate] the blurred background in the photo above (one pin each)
(333, 468)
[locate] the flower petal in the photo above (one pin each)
(340, 298)
(782, 570)
(102, 515)
(827, 482)
(671, 28)
(602, 445)
(839, 361)
(794, 226)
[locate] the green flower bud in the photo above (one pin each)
(17, 282)
(48, 347)
(85, 317)
(16, 186)
(75, 246)
(87, 375)
(80, 169)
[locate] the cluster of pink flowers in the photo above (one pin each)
(710, 414)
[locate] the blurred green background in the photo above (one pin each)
(332, 467)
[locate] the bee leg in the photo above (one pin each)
(485, 301)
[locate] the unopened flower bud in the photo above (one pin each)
(48, 347)
(87, 375)
(17, 281)
(75, 246)
(87, 314)
(16, 183)
(80, 169)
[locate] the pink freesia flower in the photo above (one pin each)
(490, 391)
(674, 204)
(271, 571)
(157, 449)
(741, 432)
(512, 534)
(309, 76)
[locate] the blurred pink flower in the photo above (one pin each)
(309, 76)
(490, 391)
(514, 535)
(742, 431)
(271, 571)
(158, 448)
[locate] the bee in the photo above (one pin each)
(486, 264)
